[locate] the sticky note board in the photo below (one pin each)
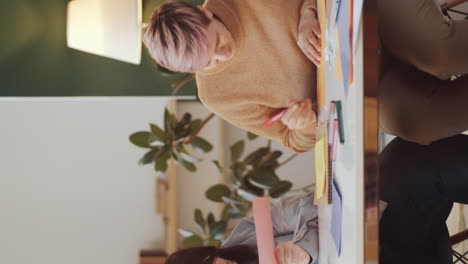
(264, 230)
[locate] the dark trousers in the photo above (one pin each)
(420, 185)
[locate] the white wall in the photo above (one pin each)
(191, 187)
(70, 187)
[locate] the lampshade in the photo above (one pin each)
(110, 28)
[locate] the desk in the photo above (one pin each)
(356, 166)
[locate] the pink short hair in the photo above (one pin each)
(176, 37)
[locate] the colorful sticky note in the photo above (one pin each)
(334, 147)
(322, 71)
(264, 230)
(336, 217)
(338, 73)
(321, 165)
(344, 32)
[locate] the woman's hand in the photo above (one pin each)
(290, 253)
(308, 36)
(300, 115)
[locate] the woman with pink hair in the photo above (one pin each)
(254, 58)
(251, 58)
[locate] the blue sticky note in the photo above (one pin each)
(344, 36)
(336, 217)
(337, 6)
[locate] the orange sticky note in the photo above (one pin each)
(322, 71)
(264, 230)
(338, 73)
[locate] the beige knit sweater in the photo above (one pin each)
(268, 72)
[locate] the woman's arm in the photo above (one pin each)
(298, 216)
(293, 218)
(308, 35)
(243, 234)
(308, 5)
(251, 117)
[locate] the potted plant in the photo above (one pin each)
(250, 175)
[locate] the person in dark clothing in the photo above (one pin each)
(420, 184)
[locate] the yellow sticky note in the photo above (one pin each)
(321, 161)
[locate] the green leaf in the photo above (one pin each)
(264, 178)
(238, 169)
(186, 118)
(162, 152)
(271, 159)
(188, 158)
(188, 165)
(217, 165)
(169, 123)
(192, 241)
(199, 220)
(210, 220)
(148, 157)
(251, 136)
(230, 212)
(153, 142)
(281, 188)
(213, 242)
(201, 145)
(185, 233)
(236, 150)
(182, 132)
(183, 128)
(218, 229)
(246, 185)
(231, 200)
(194, 125)
(182, 153)
(254, 157)
(172, 121)
(249, 196)
(216, 192)
(161, 161)
(140, 139)
(157, 132)
(240, 209)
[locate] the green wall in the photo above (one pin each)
(35, 61)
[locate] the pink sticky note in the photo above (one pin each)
(264, 230)
(334, 148)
